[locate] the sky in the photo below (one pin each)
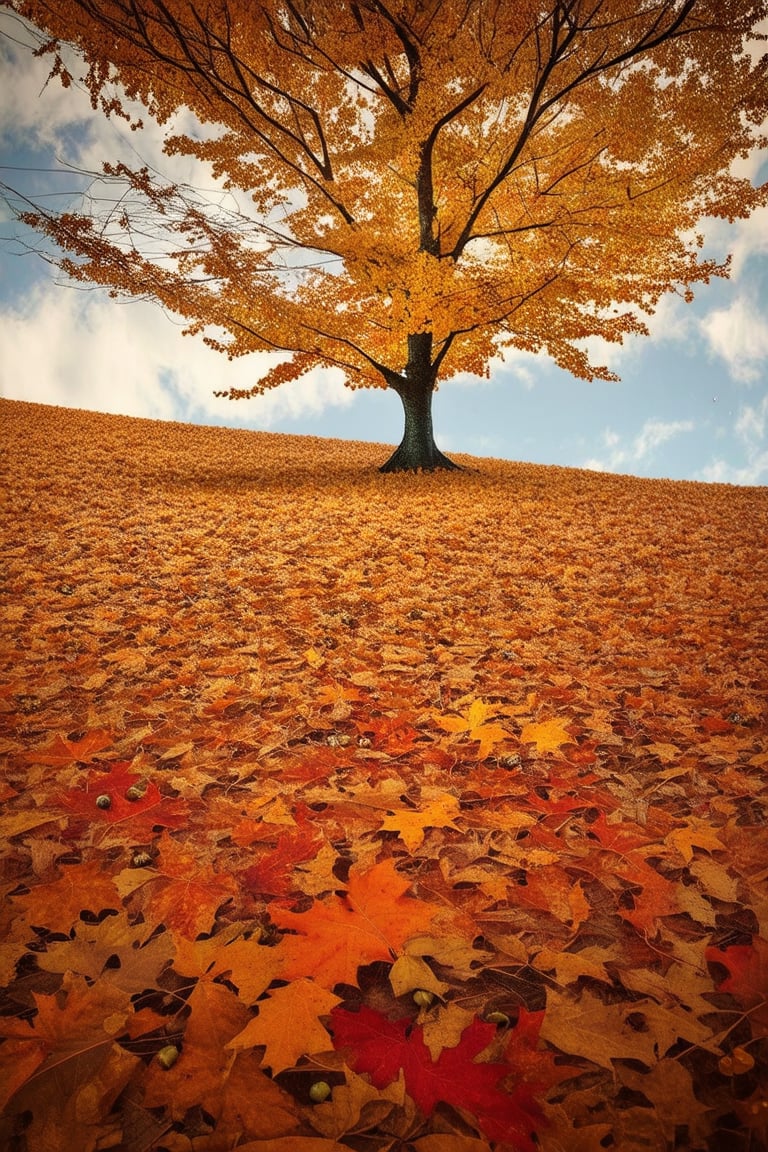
(692, 403)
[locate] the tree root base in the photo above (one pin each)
(401, 461)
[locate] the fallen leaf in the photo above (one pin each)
(473, 724)
(113, 950)
(572, 1022)
(382, 1047)
(371, 921)
(85, 887)
(62, 750)
(186, 892)
(747, 979)
(547, 735)
(302, 1003)
(411, 824)
(694, 833)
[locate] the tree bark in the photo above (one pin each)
(417, 449)
(415, 386)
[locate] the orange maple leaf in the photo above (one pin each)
(79, 888)
(301, 1002)
(232, 954)
(63, 751)
(233, 1091)
(186, 893)
(77, 1027)
(694, 833)
(371, 921)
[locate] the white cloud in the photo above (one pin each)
(524, 367)
(673, 322)
(739, 335)
(656, 432)
(60, 125)
(751, 422)
(750, 428)
(743, 239)
(83, 350)
(755, 471)
(30, 109)
(641, 449)
(522, 371)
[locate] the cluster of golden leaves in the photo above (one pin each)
(343, 811)
(498, 175)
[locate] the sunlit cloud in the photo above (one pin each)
(750, 430)
(640, 450)
(738, 334)
(83, 350)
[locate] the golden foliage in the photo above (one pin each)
(509, 832)
(493, 175)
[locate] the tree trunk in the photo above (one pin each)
(417, 448)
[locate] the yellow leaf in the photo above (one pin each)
(411, 972)
(579, 905)
(472, 723)
(547, 735)
(411, 825)
(694, 833)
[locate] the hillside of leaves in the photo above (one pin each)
(408, 813)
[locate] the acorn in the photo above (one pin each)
(423, 998)
(736, 1063)
(104, 801)
(499, 1018)
(136, 791)
(338, 740)
(319, 1091)
(167, 1056)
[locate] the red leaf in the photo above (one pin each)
(532, 1064)
(151, 805)
(716, 726)
(272, 875)
(395, 734)
(747, 980)
(381, 1047)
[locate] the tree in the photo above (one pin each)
(429, 181)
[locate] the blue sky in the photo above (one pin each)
(692, 403)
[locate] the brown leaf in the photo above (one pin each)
(572, 1022)
(94, 947)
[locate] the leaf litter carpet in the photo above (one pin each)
(385, 813)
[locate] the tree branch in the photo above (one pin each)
(559, 44)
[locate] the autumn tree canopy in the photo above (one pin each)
(431, 182)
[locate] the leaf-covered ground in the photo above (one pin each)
(348, 811)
